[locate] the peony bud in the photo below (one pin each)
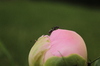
(61, 48)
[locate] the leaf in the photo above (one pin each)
(97, 62)
(6, 53)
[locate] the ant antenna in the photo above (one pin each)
(63, 58)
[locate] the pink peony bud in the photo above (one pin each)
(61, 44)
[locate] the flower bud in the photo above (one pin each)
(61, 48)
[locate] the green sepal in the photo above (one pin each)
(72, 60)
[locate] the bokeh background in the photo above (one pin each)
(22, 22)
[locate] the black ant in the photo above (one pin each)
(54, 28)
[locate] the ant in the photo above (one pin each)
(54, 28)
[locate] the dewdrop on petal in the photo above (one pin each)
(61, 48)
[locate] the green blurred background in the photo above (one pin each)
(21, 23)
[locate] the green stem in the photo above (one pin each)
(6, 52)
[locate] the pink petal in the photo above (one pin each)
(66, 42)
